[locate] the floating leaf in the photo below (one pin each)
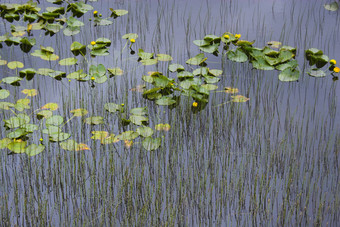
(94, 120)
(151, 144)
(69, 145)
(163, 127)
(79, 112)
(231, 90)
(17, 133)
(210, 49)
(139, 111)
(2, 62)
(215, 72)
(165, 101)
(274, 44)
(78, 48)
(6, 105)
(130, 36)
(128, 135)
(237, 56)
(145, 131)
(176, 67)
(30, 92)
(28, 73)
(262, 64)
(197, 60)
(45, 71)
(68, 61)
(164, 57)
(13, 80)
(138, 120)
(55, 120)
(34, 149)
(118, 12)
(289, 74)
(115, 71)
(51, 106)
(4, 93)
(332, 7)
(111, 139)
(112, 107)
(210, 87)
(44, 114)
(4, 142)
(82, 147)
(149, 61)
(99, 135)
(17, 146)
(58, 137)
(239, 98)
(317, 73)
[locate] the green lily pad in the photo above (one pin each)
(164, 57)
(55, 120)
(69, 145)
(17, 147)
(289, 74)
(145, 131)
(291, 64)
(139, 111)
(78, 48)
(78, 75)
(28, 73)
(151, 144)
(94, 120)
(332, 7)
(4, 93)
(201, 43)
(149, 61)
(184, 75)
(45, 71)
(130, 36)
(113, 107)
(17, 133)
(44, 114)
(200, 71)
(275, 44)
(118, 12)
(317, 73)
(115, 71)
(165, 101)
(58, 137)
(262, 64)
(238, 55)
(30, 127)
(34, 149)
(68, 61)
(215, 72)
(128, 135)
(210, 49)
(176, 68)
(210, 87)
(13, 80)
(4, 143)
(79, 112)
(138, 120)
(6, 105)
(197, 60)
(99, 135)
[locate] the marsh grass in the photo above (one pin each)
(270, 161)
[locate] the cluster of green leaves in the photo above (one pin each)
(100, 48)
(25, 43)
(316, 58)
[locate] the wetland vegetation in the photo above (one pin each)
(140, 113)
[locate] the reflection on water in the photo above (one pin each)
(271, 160)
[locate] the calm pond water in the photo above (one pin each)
(271, 160)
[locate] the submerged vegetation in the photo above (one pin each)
(117, 143)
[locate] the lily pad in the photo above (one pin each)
(151, 144)
(34, 149)
(164, 57)
(165, 101)
(68, 61)
(145, 131)
(79, 112)
(139, 111)
(58, 137)
(238, 55)
(115, 71)
(4, 142)
(118, 12)
(4, 93)
(99, 135)
(130, 36)
(128, 135)
(138, 120)
(317, 73)
(94, 120)
(55, 120)
(13, 80)
(332, 7)
(289, 74)
(239, 98)
(17, 146)
(51, 106)
(176, 68)
(197, 60)
(112, 107)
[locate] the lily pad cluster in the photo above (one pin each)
(149, 58)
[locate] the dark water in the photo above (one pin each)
(270, 161)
